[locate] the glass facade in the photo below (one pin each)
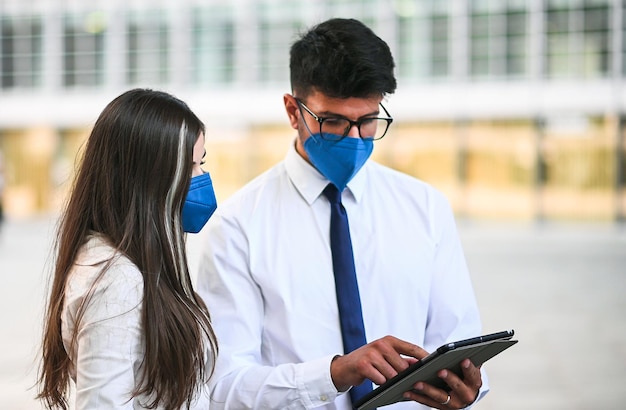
(213, 45)
(277, 24)
(508, 106)
(498, 39)
(424, 40)
(578, 38)
(440, 41)
(221, 44)
(147, 47)
(83, 50)
(21, 46)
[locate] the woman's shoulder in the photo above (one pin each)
(97, 252)
(112, 284)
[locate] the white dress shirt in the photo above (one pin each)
(109, 349)
(266, 275)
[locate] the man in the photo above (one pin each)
(268, 270)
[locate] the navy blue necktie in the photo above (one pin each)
(348, 300)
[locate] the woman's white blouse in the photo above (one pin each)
(109, 347)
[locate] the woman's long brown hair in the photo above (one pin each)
(130, 188)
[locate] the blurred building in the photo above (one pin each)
(514, 108)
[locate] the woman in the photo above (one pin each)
(123, 320)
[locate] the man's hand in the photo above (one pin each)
(463, 391)
(378, 361)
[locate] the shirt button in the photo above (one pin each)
(323, 397)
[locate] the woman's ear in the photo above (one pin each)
(291, 106)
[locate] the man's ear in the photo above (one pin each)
(291, 107)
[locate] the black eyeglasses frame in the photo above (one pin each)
(358, 123)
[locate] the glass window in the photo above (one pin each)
(597, 39)
(415, 42)
(413, 56)
(623, 50)
(406, 60)
(364, 10)
(278, 25)
(481, 28)
(20, 48)
(578, 39)
(516, 42)
(213, 46)
(83, 50)
(440, 45)
(423, 39)
(148, 47)
(498, 39)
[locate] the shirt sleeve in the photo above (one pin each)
(241, 378)
(453, 311)
(109, 341)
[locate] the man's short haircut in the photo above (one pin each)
(341, 58)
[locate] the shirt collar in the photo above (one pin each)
(310, 182)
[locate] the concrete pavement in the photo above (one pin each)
(561, 287)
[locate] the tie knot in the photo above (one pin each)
(332, 193)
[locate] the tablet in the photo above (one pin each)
(449, 356)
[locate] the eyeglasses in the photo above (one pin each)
(337, 128)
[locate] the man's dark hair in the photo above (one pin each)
(341, 58)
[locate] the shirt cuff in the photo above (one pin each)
(315, 383)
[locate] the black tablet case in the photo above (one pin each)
(448, 356)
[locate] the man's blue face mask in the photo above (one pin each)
(199, 204)
(338, 159)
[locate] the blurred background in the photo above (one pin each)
(515, 109)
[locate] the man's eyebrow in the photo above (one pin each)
(327, 114)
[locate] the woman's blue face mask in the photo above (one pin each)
(199, 204)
